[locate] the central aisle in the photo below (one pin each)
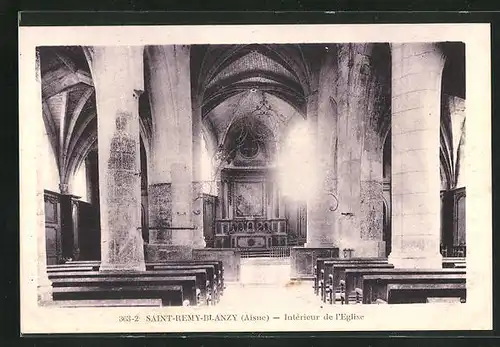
(265, 282)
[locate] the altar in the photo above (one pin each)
(251, 233)
(252, 211)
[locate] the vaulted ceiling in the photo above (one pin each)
(452, 135)
(269, 82)
(234, 81)
(68, 105)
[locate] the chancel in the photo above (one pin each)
(174, 174)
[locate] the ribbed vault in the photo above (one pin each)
(235, 81)
(69, 107)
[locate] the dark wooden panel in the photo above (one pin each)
(53, 245)
(459, 218)
(90, 234)
(52, 227)
(209, 205)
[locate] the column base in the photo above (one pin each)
(123, 267)
(44, 292)
(363, 248)
(319, 245)
(160, 252)
(416, 261)
(199, 243)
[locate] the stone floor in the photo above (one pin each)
(266, 282)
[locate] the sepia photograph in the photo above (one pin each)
(283, 178)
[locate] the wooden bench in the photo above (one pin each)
(96, 264)
(319, 267)
(133, 286)
(353, 281)
(214, 267)
(210, 288)
(336, 272)
(219, 269)
(111, 303)
(376, 286)
(72, 269)
(170, 295)
(450, 262)
(454, 262)
(413, 293)
(203, 286)
(209, 291)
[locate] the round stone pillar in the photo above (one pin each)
(358, 152)
(118, 79)
(198, 238)
(171, 171)
(320, 222)
(416, 105)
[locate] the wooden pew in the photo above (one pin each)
(132, 287)
(353, 281)
(219, 269)
(448, 262)
(203, 287)
(170, 295)
(319, 268)
(376, 286)
(413, 293)
(214, 271)
(335, 272)
(152, 265)
(72, 269)
(111, 303)
(218, 274)
(454, 262)
(210, 289)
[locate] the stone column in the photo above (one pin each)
(118, 78)
(321, 230)
(320, 222)
(359, 153)
(198, 238)
(44, 287)
(416, 95)
(171, 173)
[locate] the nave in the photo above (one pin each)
(161, 198)
(262, 283)
(265, 283)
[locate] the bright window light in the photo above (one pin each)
(297, 163)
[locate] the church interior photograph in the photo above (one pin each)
(253, 174)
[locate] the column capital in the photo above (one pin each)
(63, 188)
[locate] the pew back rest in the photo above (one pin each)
(399, 293)
(336, 272)
(209, 269)
(218, 268)
(320, 262)
(170, 295)
(375, 286)
(113, 283)
(354, 276)
(72, 269)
